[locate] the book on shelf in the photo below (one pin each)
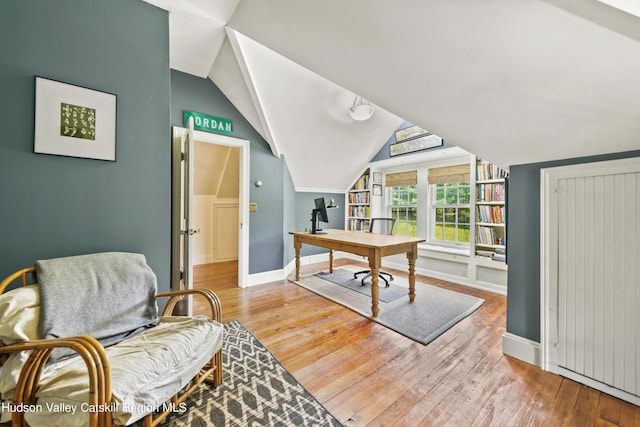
(360, 211)
(355, 224)
(359, 197)
(484, 254)
(485, 171)
(486, 235)
(490, 214)
(493, 192)
(362, 183)
(500, 255)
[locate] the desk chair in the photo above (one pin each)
(381, 226)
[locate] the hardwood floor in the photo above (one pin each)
(368, 375)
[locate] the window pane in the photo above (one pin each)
(439, 214)
(450, 232)
(463, 233)
(450, 215)
(413, 195)
(395, 196)
(412, 229)
(463, 215)
(464, 193)
(412, 214)
(452, 195)
(439, 232)
(402, 214)
(394, 213)
(439, 194)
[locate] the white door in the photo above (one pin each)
(184, 230)
(593, 290)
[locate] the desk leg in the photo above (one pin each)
(330, 260)
(374, 266)
(297, 245)
(411, 256)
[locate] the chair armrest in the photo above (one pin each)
(176, 296)
(22, 274)
(94, 357)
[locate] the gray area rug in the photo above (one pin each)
(434, 311)
(344, 277)
(256, 391)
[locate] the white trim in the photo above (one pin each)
(277, 275)
(616, 392)
(236, 41)
(521, 348)
(243, 199)
(400, 162)
(319, 190)
(266, 277)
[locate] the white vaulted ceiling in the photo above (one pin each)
(513, 81)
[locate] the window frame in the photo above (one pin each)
(433, 222)
(391, 206)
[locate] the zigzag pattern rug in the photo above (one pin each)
(256, 391)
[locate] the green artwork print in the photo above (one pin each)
(77, 122)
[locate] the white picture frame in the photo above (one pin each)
(74, 121)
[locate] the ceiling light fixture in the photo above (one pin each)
(361, 109)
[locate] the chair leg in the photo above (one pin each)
(365, 278)
(380, 275)
(388, 274)
(355, 275)
(386, 282)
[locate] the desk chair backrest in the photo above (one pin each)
(382, 225)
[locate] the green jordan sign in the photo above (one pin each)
(208, 123)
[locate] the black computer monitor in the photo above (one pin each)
(317, 215)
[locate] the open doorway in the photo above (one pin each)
(216, 201)
(210, 199)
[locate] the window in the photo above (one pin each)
(451, 212)
(404, 208)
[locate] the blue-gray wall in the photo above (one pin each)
(305, 205)
(523, 246)
(266, 244)
(54, 206)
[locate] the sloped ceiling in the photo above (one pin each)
(514, 82)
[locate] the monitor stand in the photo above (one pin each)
(315, 228)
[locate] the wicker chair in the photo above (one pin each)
(101, 400)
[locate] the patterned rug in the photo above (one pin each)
(256, 391)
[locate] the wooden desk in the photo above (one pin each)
(372, 245)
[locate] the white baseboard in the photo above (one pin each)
(277, 275)
(522, 348)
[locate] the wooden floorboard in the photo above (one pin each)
(368, 375)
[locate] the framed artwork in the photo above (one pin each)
(410, 132)
(377, 190)
(74, 121)
(417, 144)
(377, 177)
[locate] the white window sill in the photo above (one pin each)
(444, 249)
